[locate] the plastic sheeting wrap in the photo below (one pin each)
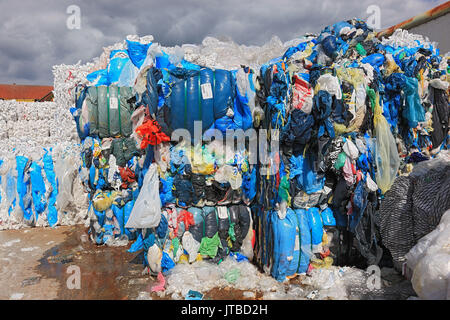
(296, 238)
(228, 55)
(287, 243)
(109, 111)
(146, 211)
(333, 283)
(429, 260)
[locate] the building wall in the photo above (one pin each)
(436, 30)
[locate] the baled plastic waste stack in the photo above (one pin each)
(353, 122)
(40, 146)
(352, 112)
(42, 138)
(344, 104)
(351, 116)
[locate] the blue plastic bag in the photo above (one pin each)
(360, 202)
(163, 62)
(376, 60)
(99, 78)
(128, 75)
(23, 188)
(222, 124)
(122, 215)
(300, 47)
(305, 240)
(163, 227)
(137, 52)
(11, 190)
(328, 217)
(101, 216)
(316, 226)
(303, 170)
(249, 185)
(414, 112)
(194, 295)
(285, 252)
(37, 189)
(166, 192)
(116, 65)
(52, 213)
(166, 262)
(137, 245)
(329, 46)
(242, 113)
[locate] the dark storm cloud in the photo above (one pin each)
(34, 36)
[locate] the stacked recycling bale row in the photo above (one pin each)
(35, 133)
(32, 126)
(45, 191)
(350, 113)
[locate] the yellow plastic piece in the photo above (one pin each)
(183, 259)
(102, 201)
(319, 264)
(387, 157)
(324, 239)
(354, 76)
(391, 67)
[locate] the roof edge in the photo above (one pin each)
(429, 15)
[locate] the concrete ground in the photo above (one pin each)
(35, 264)
(38, 263)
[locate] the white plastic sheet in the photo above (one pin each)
(146, 212)
(430, 261)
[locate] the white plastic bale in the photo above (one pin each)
(29, 126)
(226, 54)
(403, 38)
(28, 129)
(76, 209)
(8, 173)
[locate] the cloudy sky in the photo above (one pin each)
(34, 35)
